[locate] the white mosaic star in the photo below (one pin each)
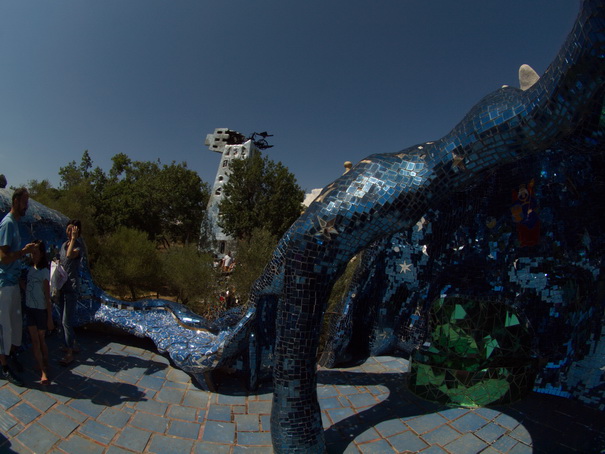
(326, 228)
(405, 267)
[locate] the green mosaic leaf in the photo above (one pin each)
(423, 372)
(480, 394)
(490, 345)
(511, 320)
(459, 313)
(470, 342)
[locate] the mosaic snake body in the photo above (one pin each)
(387, 193)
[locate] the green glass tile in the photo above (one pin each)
(459, 313)
(511, 320)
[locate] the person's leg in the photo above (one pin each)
(42, 326)
(33, 333)
(61, 304)
(16, 320)
(44, 353)
(69, 306)
(6, 337)
(43, 347)
(5, 334)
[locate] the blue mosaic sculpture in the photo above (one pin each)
(389, 193)
(502, 207)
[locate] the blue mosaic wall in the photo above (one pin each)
(506, 207)
(476, 249)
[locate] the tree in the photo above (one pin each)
(166, 201)
(189, 274)
(259, 194)
(73, 174)
(183, 203)
(43, 192)
(253, 254)
(157, 202)
(129, 262)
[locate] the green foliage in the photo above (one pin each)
(282, 199)
(259, 194)
(43, 192)
(165, 201)
(253, 254)
(129, 262)
(156, 202)
(189, 274)
(342, 284)
(337, 295)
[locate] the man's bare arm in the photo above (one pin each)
(7, 256)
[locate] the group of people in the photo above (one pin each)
(37, 290)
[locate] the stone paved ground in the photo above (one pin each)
(122, 396)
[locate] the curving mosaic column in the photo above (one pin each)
(387, 193)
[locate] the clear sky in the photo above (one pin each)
(332, 80)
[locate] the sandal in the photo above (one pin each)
(45, 382)
(66, 360)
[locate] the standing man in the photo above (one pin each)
(11, 320)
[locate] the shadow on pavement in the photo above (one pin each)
(555, 424)
(103, 378)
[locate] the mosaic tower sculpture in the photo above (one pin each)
(231, 145)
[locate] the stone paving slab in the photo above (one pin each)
(122, 396)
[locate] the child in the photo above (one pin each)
(38, 309)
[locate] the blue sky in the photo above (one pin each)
(332, 80)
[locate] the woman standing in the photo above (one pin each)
(70, 256)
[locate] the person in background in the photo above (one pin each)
(38, 307)
(70, 256)
(226, 262)
(11, 253)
